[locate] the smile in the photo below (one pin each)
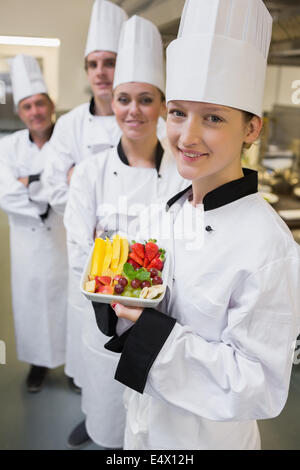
(192, 155)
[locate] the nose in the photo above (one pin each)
(134, 108)
(192, 132)
(100, 69)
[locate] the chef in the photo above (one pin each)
(107, 192)
(217, 354)
(37, 235)
(84, 131)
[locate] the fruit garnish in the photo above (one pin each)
(133, 263)
(139, 249)
(151, 249)
(108, 290)
(124, 249)
(98, 257)
(116, 250)
(136, 258)
(105, 280)
(90, 286)
(157, 280)
(136, 283)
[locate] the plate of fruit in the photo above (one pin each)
(117, 271)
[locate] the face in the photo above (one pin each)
(207, 139)
(100, 67)
(137, 107)
(36, 112)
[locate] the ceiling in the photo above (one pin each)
(285, 47)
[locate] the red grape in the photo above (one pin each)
(136, 283)
(153, 272)
(157, 280)
(119, 289)
(146, 284)
(123, 282)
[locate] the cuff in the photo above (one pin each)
(141, 348)
(32, 178)
(116, 344)
(106, 318)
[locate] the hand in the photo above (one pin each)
(70, 173)
(24, 181)
(130, 313)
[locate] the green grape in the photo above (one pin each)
(136, 293)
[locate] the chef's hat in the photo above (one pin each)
(140, 54)
(220, 55)
(27, 78)
(105, 27)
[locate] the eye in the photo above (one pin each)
(111, 64)
(214, 119)
(176, 113)
(92, 65)
(123, 100)
(146, 100)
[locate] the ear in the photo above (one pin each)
(163, 110)
(253, 130)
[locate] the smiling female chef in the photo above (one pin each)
(219, 357)
(106, 193)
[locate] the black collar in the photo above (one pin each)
(158, 155)
(31, 139)
(92, 106)
(226, 193)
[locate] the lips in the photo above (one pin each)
(134, 123)
(189, 155)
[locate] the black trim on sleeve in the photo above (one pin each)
(116, 344)
(106, 318)
(32, 178)
(141, 348)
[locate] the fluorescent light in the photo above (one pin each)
(26, 41)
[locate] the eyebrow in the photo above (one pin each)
(206, 108)
(145, 93)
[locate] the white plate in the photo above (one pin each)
(128, 301)
(270, 197)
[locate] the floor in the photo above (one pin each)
(44, 420)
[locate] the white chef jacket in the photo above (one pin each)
(217, 354)
(38, 254)
(77, 135)
(106, 194)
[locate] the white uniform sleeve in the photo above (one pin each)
(80, 218)
(14, 196)
(59, 159)
(243, 376)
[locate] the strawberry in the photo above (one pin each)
(158, 261)
(133, 263)
(151, 249)
(146, 262)
(136, 258)
(139, 249)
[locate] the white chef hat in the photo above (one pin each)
(220, 55)
(140, 54)
(27, 78)
(105, 27)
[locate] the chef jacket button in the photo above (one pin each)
(33, 229)
(159, 176)
(89, 146)
(115, 173)
(209, 229)
(90, 119)
(49, 229)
